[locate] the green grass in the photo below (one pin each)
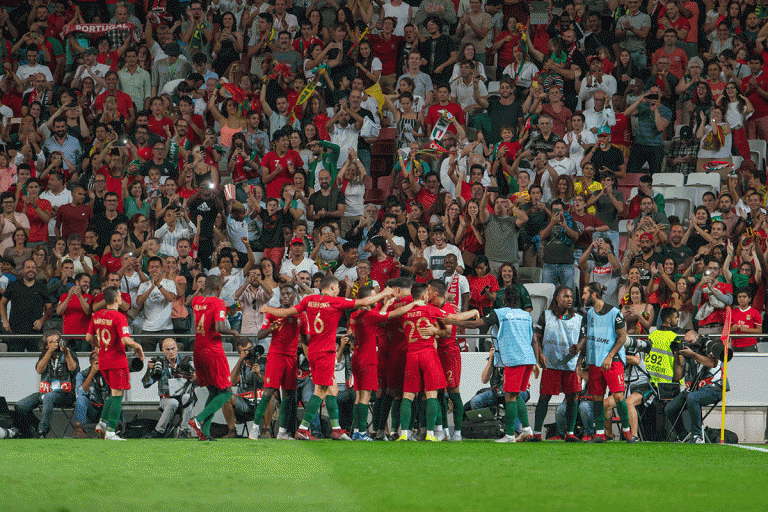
(187, 476)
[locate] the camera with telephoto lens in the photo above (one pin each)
(157, 370)
(637, 345)
(348, 346)
(256, 354)
(704, 346)
(184, 370)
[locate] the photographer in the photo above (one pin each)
(246, 375)
(708, 392)
(57, 367)
(173, 376)
(92, 392)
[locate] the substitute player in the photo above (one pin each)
(422, 366)
(557, 330)
(211, 365)
(323, 313)
(450, 361)
(108, 331)
(604, 336)
(281, 362)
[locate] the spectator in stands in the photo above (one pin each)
(554, 108)
(632, 29)
(435, 254)
(57, 367)
(603, 267)
(38, 211)
(506, 110)
(30, 308)
(326, 205)
(156, 297)
(557, 241)
(656, 207)
(596, 81)
(544, 141)
(641, 255)
(683, 152)
(712, 296)
(678, 60)
(653, 119)
(75, 308)
(609, 203)
(10, 221)
(715, 136)
(74, 217)
(675, 249)
(298, 261)
(469, 90)
(755, 87)
(687, 88)
(438, 49)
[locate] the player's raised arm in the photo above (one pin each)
(397, 313)
(373, 299)
(462, 317)
(282, 312)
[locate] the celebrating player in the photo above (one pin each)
(211, 365)
(108, 331)
(281, 362)
(557, 330)
(422, 366)
(323, 313)
(604, 334)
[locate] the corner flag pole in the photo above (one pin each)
(725, 337)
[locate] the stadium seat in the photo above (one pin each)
(368, 182)
(384, 183)
(668, 179)
(761, 147)
(541, 295)
(623, 227)
(529, 275)
(540, 304)
(630, 180)
(693, 193)
(387, 134)
(679, 207)
(709, 179)
(737, 161)
(374, 195)
(227, 347)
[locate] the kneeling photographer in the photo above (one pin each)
(247, 376)
(700, 357)
(175, 379)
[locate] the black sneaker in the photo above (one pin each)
(633, 440)
(156, 434)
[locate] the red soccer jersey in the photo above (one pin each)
(323, 315)
(449, 344)
(365, 326)
(433, 114)
(718, 315)
(285, 338)
(74, 219)
(386, 51)
(158, 126)
(382, 271)
(476, 285)
(271, 160)
(208, 310)
(110, 328)
(76, 320)
(750, 318)
(750, 90)
(420, 316)
(397, 335)
(113, 263)
(38, 228)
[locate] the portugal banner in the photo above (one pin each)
(94, 29)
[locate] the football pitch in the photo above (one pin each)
(189, 476)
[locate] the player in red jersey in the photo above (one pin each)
(450, 360)
(423, 371)
(281, 363)
(364, 326)
(323, 313)
(211, 365)
(108, 331)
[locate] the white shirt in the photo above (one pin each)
(345, 271)
(525, 77)
(564, 166)
(99, 70)
(463, 288)
(290, 19)
(587, 93)
(465, 94)
(237, 230)
(305, 264)
(63, 197)
(6, 114)
(27, 71)
(435, 257)
(157, 310)
(345, 138)
(592, 119)
(576, 151)
(231, 284)
(169, 238)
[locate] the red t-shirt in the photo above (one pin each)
(420, 316)
(427, 278)
(285, 338)
(365, 325)
(449, 344)
(678, 59)
(76, 320)
(718, 315)
(620, 131)
(301, 45)
(396, 334)
(427, 199)
(208, 310)
(113, 185)
(433, 114)
(386, 51)
(270, 161)
(198, 121)
(110, 58)
(157, 126)
(750, 318)
(382, 271)
(476, 285)
(38, 228)
(113, 263)
(323, 315)
(110, 328)
(581, 222)
(74, 219)
(124, 102)
(760, 105)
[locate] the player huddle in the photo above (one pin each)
(405, 345)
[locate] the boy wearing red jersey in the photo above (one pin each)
(211, 365)
(745, 320)
(323, 313)
(108, 331)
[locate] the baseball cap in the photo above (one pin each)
(604, 130)
(646, 235)
(297, 241)
(438, 227)
(173, 50)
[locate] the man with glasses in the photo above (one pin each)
(631, 30)
(600, 114)
(104, 223)
(604, 155)
(544, 141)
(161, 161)
(196, 31)
(653, 119)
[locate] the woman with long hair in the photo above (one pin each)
(242, 169)
(662, 282)
(716, 138)
(138, 229)
(179, 313)
(468, 54)
(40, 257)
(201, 169)
(714, 79)
(681, 300)
(483, 288)
(254, 293)
(228, 44)
(231, 121)
(702, 101)
(10, 221)
(563, 190)
(508, 277)
(632, 277)
(367, 64)
(624, 72)
(420, 242)
(737, 108)
(638, 314)
(351, 181)
(409, 124)
(18, 252)
(686, 88)
(470, 236)
(135, 202)
(317, 29)
(145, 57)
(698, 229)
(316, 113)
(587, 184)
(505, 45)
(452, 221)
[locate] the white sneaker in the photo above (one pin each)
(456, 437)
(285, 436)
(101, 429)
(506, 439)
(698, 440)
(112, 436)
(253, 434)
(440, 435)
(526, 432)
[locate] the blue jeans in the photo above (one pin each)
(558, 274)
(84, 409)
(695, 400)
(25, 406)
(365, 157)
(585, 412)
(639, 58)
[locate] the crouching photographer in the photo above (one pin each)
(92, 393)
(175, 380)
(247, 376)
(57, 367)
(700, 357)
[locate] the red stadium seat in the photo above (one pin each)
(623, 243)
(387, 134)
(630, 180)
(374, 195)
(384, 183)
(368, 183)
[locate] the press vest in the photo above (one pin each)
(660, 361)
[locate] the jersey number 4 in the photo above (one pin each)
(200, 327)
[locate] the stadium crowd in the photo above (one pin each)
(148, 145)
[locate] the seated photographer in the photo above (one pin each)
(585, 414)
(246, 375)
(175, 378)
(696, 350)
(57, 367)
(92, 393)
